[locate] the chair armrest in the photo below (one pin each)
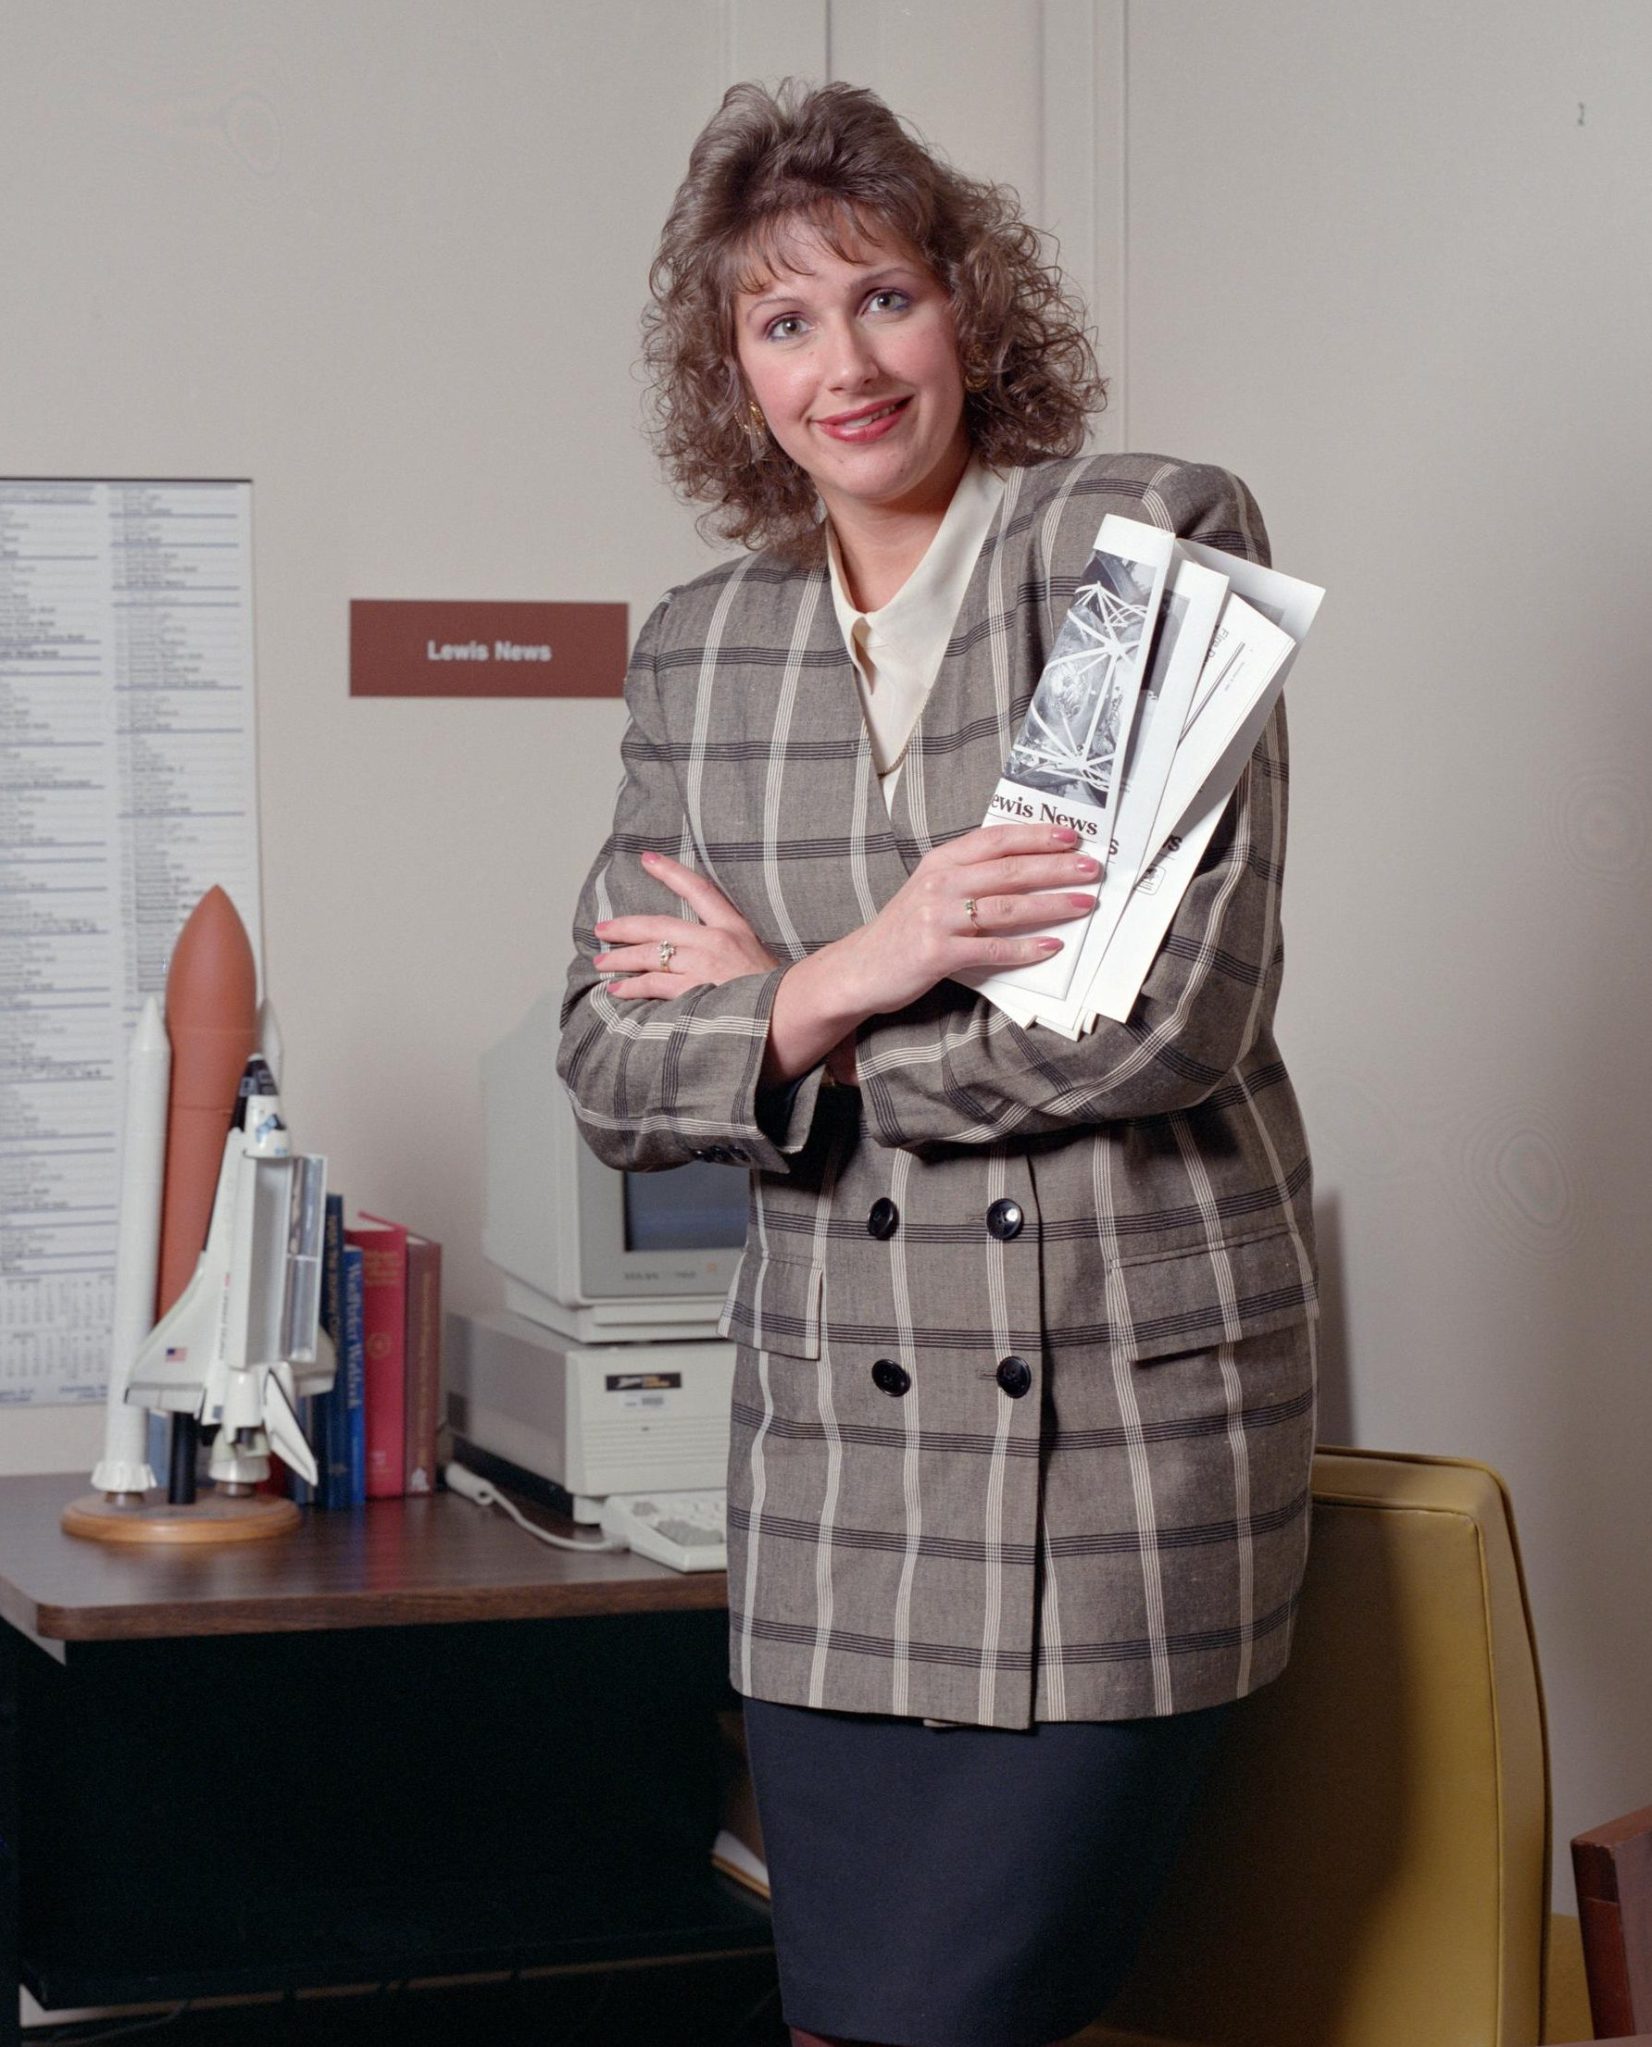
(1612, 1866)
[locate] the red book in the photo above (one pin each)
(424, 1360)
(384, 1333)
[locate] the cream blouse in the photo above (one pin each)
(897, 650)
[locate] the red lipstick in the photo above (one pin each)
(866, 422)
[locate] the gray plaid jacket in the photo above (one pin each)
(1024, 1395)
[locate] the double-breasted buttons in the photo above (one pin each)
(883, 1220)
(1015, 1376)
(891, 1378)
(1005, 1219)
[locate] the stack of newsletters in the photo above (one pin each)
(1169, 662)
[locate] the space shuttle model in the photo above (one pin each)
(242, 1343)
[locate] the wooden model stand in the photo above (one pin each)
(214, 1518)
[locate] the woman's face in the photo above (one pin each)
(854, 362)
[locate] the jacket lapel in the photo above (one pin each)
(788, 817)
(797, 833)
(975, 691)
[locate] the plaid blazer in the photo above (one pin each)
(1025, 1383)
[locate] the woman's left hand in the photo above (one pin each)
(720, 947)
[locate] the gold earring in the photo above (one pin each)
(757, 432)
(977, 379)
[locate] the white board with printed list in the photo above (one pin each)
(128, 787)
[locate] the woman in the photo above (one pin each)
(1024, 1397)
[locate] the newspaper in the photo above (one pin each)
(1064, 766)
(1228, 634)
(1236, 695)
(1235, 690)
(1192, 612)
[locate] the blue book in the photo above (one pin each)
(353, 1363)
(299, 1489)
(330, 1433)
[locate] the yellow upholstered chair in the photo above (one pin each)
(1371, 1865)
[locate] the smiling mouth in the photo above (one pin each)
(866, 424)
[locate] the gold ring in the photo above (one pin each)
(667, 954)
(969, 905)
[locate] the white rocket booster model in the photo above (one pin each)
(242, 1344)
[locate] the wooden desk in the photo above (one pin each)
(405, 1740)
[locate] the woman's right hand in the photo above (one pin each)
(1019, 876)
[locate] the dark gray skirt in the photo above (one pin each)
(965, 1886)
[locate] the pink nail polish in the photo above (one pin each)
(1049, 945)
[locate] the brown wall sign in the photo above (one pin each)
(414, 649)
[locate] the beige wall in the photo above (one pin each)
(386, 260)
(1391, 264)
(1395, 266)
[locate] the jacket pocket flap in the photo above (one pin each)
(774, 1304)
(1212, 1294)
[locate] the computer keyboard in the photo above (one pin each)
(688, 1531)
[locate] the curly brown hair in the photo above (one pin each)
(836, 158)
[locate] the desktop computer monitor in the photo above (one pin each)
(598, 1255)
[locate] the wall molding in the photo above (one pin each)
(1085, 71)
